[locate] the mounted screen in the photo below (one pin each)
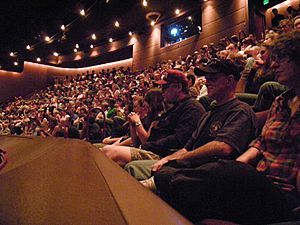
(181, 29)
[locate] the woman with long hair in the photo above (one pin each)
(140, 128)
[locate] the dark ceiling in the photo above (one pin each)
(27, 22)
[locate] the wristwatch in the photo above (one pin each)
(138, 124)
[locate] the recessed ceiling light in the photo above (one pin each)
(62, 27)
(77, 46)
(11, 54)
(152, 23)
(94, 37)
(38, 59)
(47, 38)
(16, 63)
(55, 53)
(82, 12)
(145, 3)
(75, 49)
(28, 47)
(117, 24)
(177, 11)
(91, 46)
(110, 40)
(130, 33)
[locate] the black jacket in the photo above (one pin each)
(175, 127)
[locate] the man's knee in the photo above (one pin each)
(110, 151)
(140, 169)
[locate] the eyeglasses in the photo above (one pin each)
(164, 87)
(214, 77)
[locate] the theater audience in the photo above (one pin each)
(235, 190)
(173, 128)
(120, 107)
(219, 133)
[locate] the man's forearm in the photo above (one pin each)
(251, 156)
(206, 152)
(177, 154)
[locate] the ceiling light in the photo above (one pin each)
(152, 23)
(38, 59)
(77, 46)
(177, 11)
(145, 3)
(130, 33)
(11, 54)
(91, 46)
(75, 49)
(47, 38)
(190, 18)
(28, 47)
(110, 40)
(94, 36)
(55, 53)
(117, 24)
(82, 12)
(16, 63)
(62, 27)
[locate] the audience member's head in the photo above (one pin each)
(174, 85)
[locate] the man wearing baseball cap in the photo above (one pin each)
(174, 128)
(223, 132)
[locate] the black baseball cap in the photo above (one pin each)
(218, 66)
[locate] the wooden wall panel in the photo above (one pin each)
(220, 18)
(13, 84)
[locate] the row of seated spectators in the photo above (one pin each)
(199, 184)
(94, 106)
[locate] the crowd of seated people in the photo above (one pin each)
(120, 107)
(64, 109)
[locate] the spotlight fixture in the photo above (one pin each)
(130, 33)
(82, 12)
(28, 47)
(91, 46)
(11, 54)
(117, 24)
(77, 46)
(38, 59)
(47, 38)
(55, 53)
(153, 17)
(62, 27)
(94, 37)
(145, 3)
(16, 63)
(177, 11)
(110, 40)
